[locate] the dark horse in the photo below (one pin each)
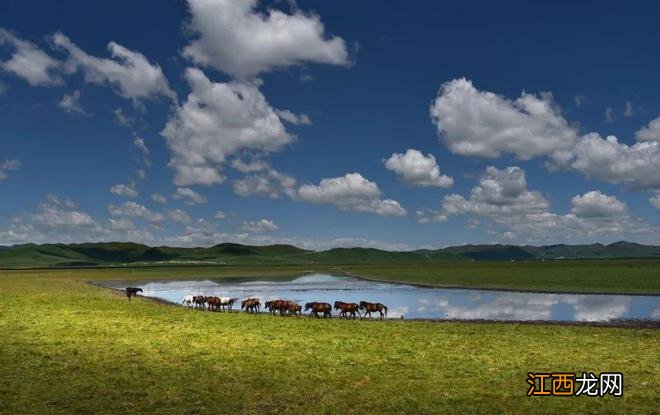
(317, 308)
(346, 308)
(372, 308)
(251, 305)
(131, 291)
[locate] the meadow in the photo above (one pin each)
(68, 346)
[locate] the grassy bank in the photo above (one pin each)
(68, 346)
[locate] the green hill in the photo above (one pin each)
(123, 254)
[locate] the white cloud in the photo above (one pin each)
(29, 62)
(295, 119)
(628, 111)
(655, 201)
(579, 100)
(608, 114)
(8, 165)
(524, 216)
(141, 145)
(135, 210)
(71, 103)
(270, 184)
(55, 214)
(178, 215)
(192, 197)
(124, 190)
(476, 123)
(650, 132)
(219, 215)
(430, 216)
(351, 192)
(418, 170)
(263, 225)
(237, 39)
(130, 73)
(123, 119)
(157, 197)
(249, 167)
(595, 204)
(609, 160)
(219, 120)
(500, 193)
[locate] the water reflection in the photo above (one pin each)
(417, 302)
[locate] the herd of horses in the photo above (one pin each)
(281, 307)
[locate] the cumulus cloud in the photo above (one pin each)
(58, 219)
(126, 190)
(71, 103)
(135, 210)
(129, 73)
(651, 132)
(430, 216)
(351, 192)
(295, 119)
(8, 165)
(484, 124)
(477, 123)
(178, 215)
(271, 184)
(595, 204)
(123, 119)
(260, 226)
(655, 201)
(500, 193)
(219, 120)
(236, 38)
(609, 160)
(157, 197)
(418, 170)
(522, 215)
(249, 167)
(29, 62)
(219, 215)
(192, 197)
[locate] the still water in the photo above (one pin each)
(416, 302)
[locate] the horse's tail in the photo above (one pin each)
(385, 309)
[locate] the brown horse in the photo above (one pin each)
(345, 308)
(372, 308)
(317, 308)
(213, 303)
(251, 305)
(294, 308)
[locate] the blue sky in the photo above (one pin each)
(329, 123)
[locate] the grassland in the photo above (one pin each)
(71, 347)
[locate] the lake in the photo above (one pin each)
(413, 302)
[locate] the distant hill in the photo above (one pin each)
(121, 253)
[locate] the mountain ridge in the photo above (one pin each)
(129, 253)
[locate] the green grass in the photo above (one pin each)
(70, 347)
(616, 276)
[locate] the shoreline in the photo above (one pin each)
(617, 323)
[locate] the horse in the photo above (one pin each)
(188, 300)
(199, 301)
(251, 305)
(317, 308)
(347, 308)
(213, 303)
(373, 307)
(293, 308)
(227, 302)
(269, 305)
(131, 291)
